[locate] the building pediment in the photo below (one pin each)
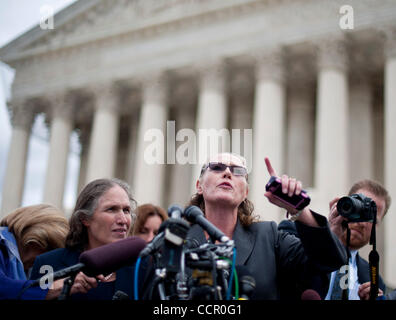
(93, 20)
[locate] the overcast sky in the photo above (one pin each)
(17, 17)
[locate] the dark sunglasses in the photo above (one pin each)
(221, 167)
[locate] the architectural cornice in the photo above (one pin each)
(135, 50)
(89, 25)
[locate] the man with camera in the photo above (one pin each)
(356, 213)
(364, 198)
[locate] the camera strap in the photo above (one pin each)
(374, 262)
(345, 292)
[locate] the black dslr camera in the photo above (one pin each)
(357, 208)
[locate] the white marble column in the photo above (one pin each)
(390, 155)
(150, 155)
(301, 129)
(61, 128)
(332, 153)
(132, 146)
(241, 91)
(361, 143)
(361, 150)
(84, 138)
(104, 136)
(22, 120)
(184, 97)
(212, 115)
(268, 130)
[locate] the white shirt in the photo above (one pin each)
(353, 282)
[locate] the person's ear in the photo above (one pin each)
(85, 222)
(198, 186)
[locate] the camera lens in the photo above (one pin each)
(345, 206)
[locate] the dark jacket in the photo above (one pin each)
(320, 282)
(268, 254)
(61, 258)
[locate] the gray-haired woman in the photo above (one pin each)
(102, 215)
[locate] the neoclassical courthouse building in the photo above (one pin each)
(309, 83)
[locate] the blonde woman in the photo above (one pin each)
(24, 234)
(269, 255)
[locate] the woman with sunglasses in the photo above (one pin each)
(222, 191)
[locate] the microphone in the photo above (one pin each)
(112, 256)
(192, 243)
(195, 215)
(246, 282)
(175, 234)
(66, 271)
(102, 260)
(310, 294)
(175, 212)
(155, 244)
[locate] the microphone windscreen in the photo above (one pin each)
(175, 211)
(110, 257)
(192, 212)
(310, 294)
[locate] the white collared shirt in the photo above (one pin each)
(353, 281)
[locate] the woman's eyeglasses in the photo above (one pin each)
(221, 167)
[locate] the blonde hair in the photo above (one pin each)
(43, 225)
(246, 208)
(221, 155)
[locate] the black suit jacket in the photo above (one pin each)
(62, 258)
(269, 254)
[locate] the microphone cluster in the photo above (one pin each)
(184, 268)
